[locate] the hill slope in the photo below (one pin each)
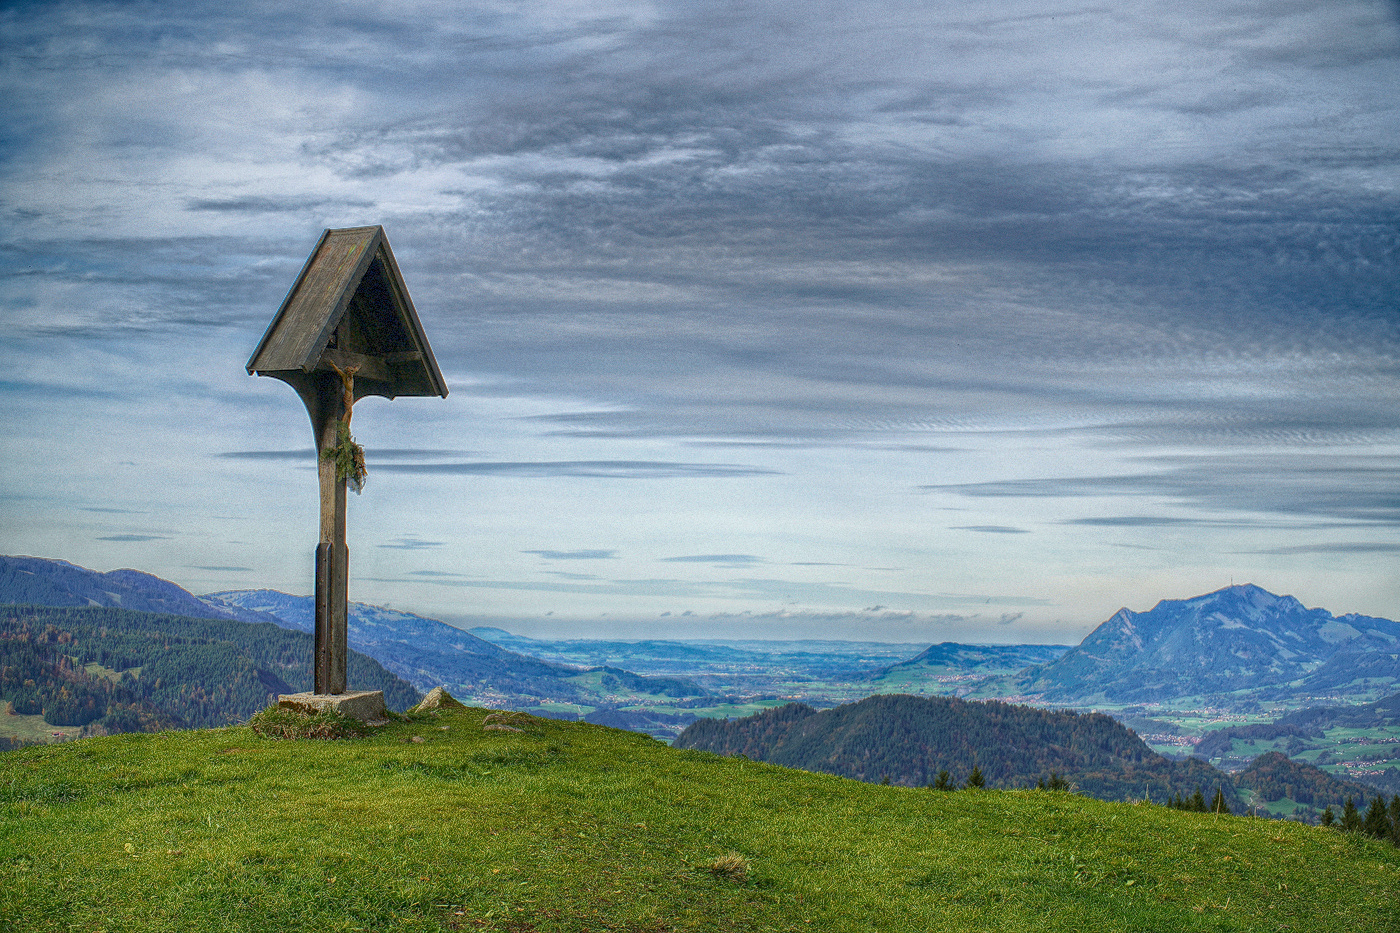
(910, 739)
(570, 827)
(1241, 642)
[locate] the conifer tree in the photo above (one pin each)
(944, 781)
(1198, 801)
(1351, 820)
(1377, 823)
(1395, 820)
(1328, 817)
(1218, 804)
(975, 780)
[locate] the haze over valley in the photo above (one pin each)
(1222, 679)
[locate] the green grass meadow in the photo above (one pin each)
(439, 824)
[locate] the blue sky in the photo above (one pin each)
(904, 321)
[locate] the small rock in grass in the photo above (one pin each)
(506, 722)
(437, 698)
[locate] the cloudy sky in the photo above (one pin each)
(900, 321)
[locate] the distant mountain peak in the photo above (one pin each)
(1235, 595)
(1239, 637)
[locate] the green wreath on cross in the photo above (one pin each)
(349, 457)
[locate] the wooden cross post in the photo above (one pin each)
(332, 552)
(347, 329)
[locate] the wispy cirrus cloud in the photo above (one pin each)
(1358, 487)
(411, 544)
(1349, 547)
(722, 560)
(249, 204)
(601, 469)
(992, 529)
(1140, 521)
(308, 455)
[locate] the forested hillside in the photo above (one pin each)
(124, 671)
(1273, 776)
(909, 740)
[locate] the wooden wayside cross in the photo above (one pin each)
(347, 329)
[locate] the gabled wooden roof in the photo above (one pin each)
(349, 306)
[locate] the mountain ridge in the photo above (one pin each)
(50, 581)
(1239, 638)
(1239, 647)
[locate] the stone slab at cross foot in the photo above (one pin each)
(365, 705)
(347, 329)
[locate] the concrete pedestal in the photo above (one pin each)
(364, 705)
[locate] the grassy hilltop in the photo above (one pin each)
(438, 823)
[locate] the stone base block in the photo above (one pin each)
(364, 705)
